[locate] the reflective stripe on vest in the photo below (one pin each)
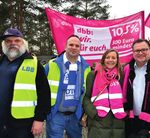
(110, 101)
(24, 86)
(23, 103)
(54, 78)
(24, 95)
(106, 102)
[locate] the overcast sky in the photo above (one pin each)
(122, 8)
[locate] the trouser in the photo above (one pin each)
(136, 128)
(10, 132)
(55, 126)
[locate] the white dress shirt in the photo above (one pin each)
(138, 88)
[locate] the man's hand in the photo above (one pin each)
(37, 128)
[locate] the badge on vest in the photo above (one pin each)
(28, 68)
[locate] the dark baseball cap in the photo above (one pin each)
(11, 32)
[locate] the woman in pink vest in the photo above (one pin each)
(103, 101)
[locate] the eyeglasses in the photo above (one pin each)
(144, 50)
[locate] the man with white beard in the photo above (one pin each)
(24, 89)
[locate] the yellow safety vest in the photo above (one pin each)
(54, 78)
(24, 95)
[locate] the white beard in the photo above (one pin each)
(13, 53)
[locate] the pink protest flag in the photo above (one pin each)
(147, 22)
(97, 36)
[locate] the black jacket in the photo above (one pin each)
(43, 94)
(146, 100)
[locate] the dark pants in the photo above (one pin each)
(9, 132)
(136, 128)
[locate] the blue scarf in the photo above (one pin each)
(71, 85)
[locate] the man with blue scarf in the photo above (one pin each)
(67, 75)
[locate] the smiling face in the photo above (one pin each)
(73, 48)
(110, 60)
(141, 53)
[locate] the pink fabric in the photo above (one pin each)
(147, 22)
(103, 78)
(97, 35)
(131, 114)
(144, 116)
(103, 105)
(126, 75)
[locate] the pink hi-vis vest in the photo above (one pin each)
(111, 98)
